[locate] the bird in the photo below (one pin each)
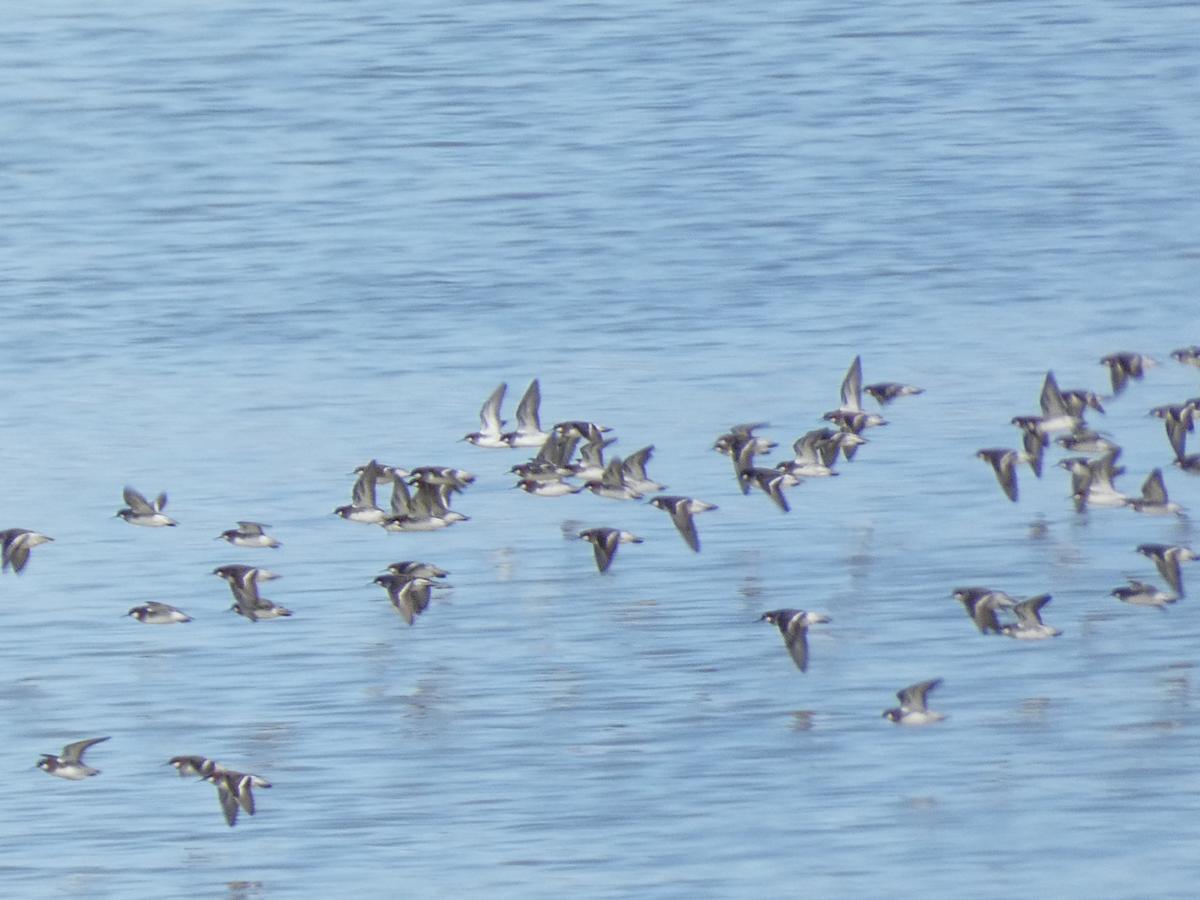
(249, 534)
(1029, 625)
(1167, 559)
(846, 441)
(1154, 500)
(732, 442)
(1057, 413)
(851, 414)
(1003, 462)
(793, 625)
(553, 459)
(681, 510)
(141, 511)
(553, 488)
(1092, 480)
(981, 605)
(1085, 440)
(529, 429)
(604, 543)
(234, 790)
(912, 709)
(491, 432)
(741, 445)
(69, 764)
(815, 452)
(1123, 366)
(887, 391)
(771, 482)
(633, 472)
(17, 544)
(426, 509)
(415, 569)
(243, 582)
(591, 463)
(1061, 411)
(409, 594)
(441, 475)
(195, 765)
(1139, 593)
(362, 506)
(1033, 441)
(612, 485)
(242, 572)
(1189, 463)
(1078, 400)
(1179, 420)
(586, 431)
(155, 613)
(1189, 356)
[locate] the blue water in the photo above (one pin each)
(246, 247)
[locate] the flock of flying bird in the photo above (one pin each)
(421, 497)
(1092, 478)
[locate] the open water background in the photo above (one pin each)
(245, 247)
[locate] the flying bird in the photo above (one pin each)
(1167, 559)
(1139, 593)
(17, 543)
(154, 613)
(1004, 464)
(249, 534)
(141, 511)
(1123, 366)
(1029, 625)
(682, 510)
(793, 625)
(981, 605)
(912, 709)
(604, 543)
(70, 763)
(491, 431)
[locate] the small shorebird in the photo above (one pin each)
(17, 544)
(491, 431)
(414, 569)
(793, 625)
(604, 543)
(1004, 463)
(249, 534)
(912, 709)
(1189, 356)
(1123, 366)
(409, 594)
(362, 506)
(1139, 593)
(1029, 625)
(1154, 500)
(141, 511)
(234, 789)
(243, 582)
(850, 414)
(529, 428)
(681, 510)
(1167, 559)
(70, 764)
(154, 613)
(981, 605)
(887, 391)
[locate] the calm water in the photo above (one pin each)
(247, 247)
